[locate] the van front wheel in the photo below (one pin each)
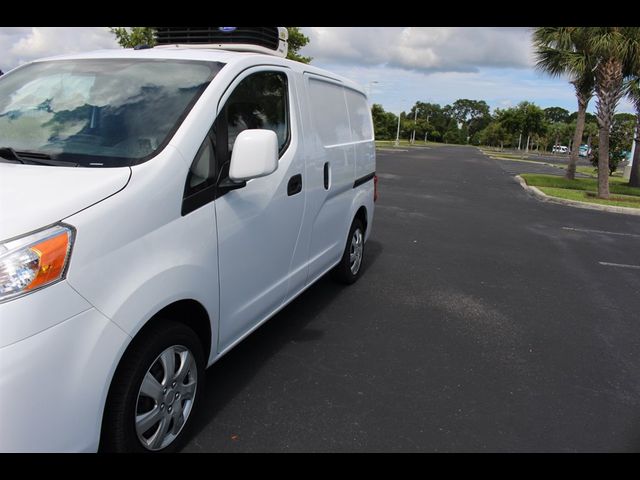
(349, 268)
(155, 390)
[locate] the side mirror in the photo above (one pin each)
(255, 154)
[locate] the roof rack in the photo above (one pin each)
(269, 40)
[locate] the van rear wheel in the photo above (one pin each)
(350, 266)
(154, 392)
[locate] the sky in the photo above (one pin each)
(397, 65)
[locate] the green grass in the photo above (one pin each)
(594, 172)
(589, 197)
(402, 143)
(505, 156)
(495, 155)
(518, 159)
(510, 156)
(406, 144)
(585, 189)
(616, 185)
(587, 171)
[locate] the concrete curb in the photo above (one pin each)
(574, 203)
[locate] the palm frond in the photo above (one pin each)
(562, 50)
(633, 92)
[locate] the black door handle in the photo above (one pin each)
(326, 175)
(295, 185)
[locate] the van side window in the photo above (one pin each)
(359, 117)
(329, 112)
(259, 101)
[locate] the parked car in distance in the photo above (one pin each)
(560, 149)
(584, 151)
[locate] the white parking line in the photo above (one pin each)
(621, 265)
(601, 231)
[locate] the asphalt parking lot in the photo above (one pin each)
(485, 320)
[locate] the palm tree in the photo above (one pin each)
(561, 51)
(617, 50)
(634, 94)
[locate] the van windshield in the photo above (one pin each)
(98, 112)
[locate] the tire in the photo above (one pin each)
(128, 423)
(350, 266)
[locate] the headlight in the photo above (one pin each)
(34, 261)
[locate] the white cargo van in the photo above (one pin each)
(157, 206)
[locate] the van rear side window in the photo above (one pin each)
(329, 111)
(361, 128)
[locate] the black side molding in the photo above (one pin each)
(364, 179)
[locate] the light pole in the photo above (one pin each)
(426, 132)
(415, 123)
(398, 132)
(372, 82)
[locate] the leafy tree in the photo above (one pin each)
(384, 123)
(297, 40)
(620, 138)
(431, 119)
(434, 120)
(510, 119)
(134, 36)
(493, 134)
(565, 50)
(454, 134)
(588, 117)
(533, 123)
(525, 120)
(556, 114)
(473, 114)
(591, 131)
(130, 37)
(569, 135)
(556, 134)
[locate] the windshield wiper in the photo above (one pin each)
(34, 158)
(9, 153)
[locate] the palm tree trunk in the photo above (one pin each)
(603, 163)
(577, 136)
(609, 90)
(634, 179)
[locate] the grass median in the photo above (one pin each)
(585, 189)
(418, 143)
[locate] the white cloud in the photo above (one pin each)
(424, 49)
(23, 44)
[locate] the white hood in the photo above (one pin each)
(34, 196)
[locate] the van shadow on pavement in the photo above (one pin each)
(293, 324)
